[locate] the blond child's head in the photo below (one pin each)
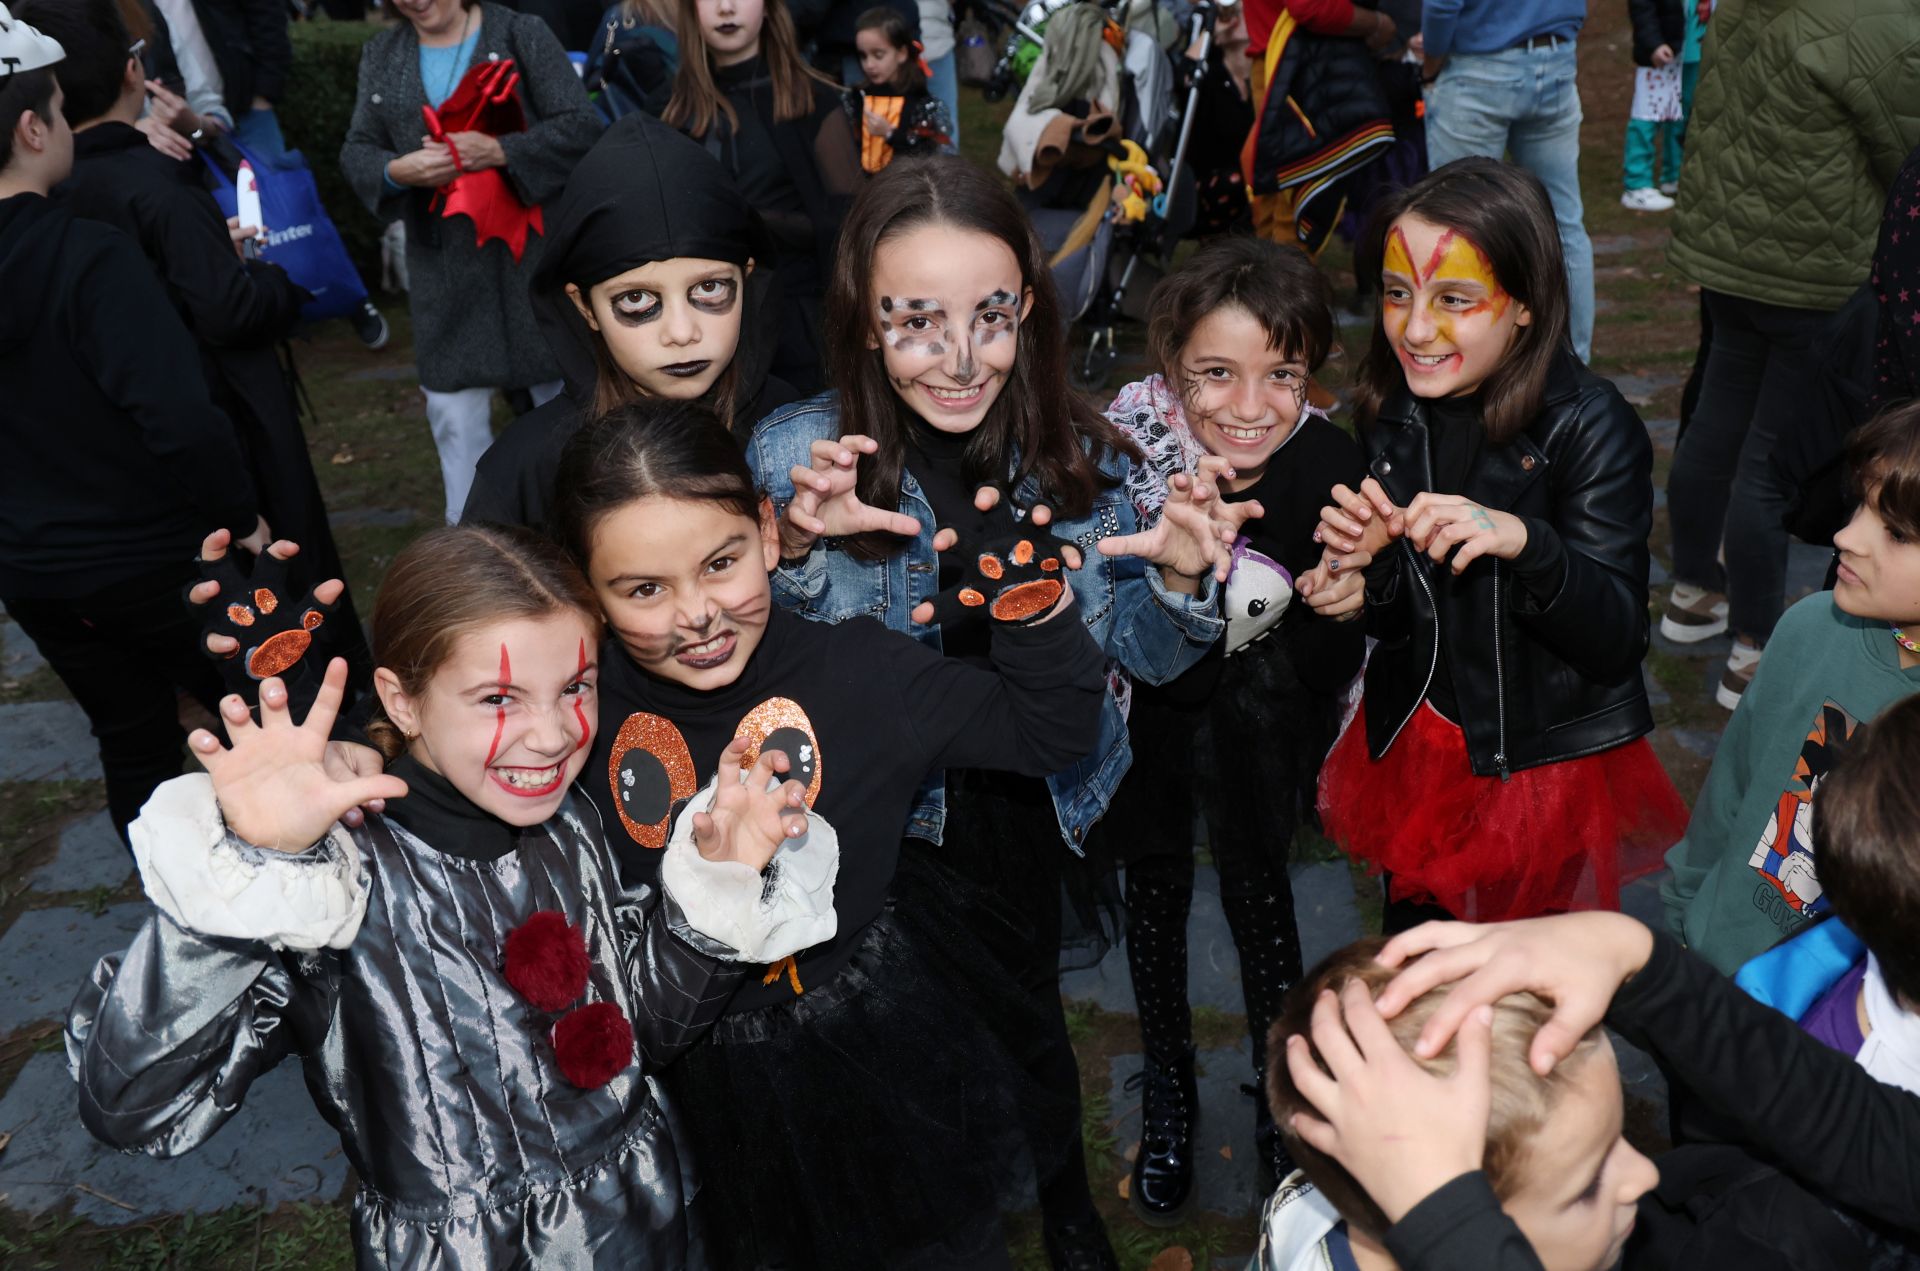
(1554, 1153)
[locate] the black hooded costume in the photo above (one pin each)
(643, 193)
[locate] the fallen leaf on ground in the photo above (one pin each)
(1226, 1153)
(1172, 1258)
(1126, 1186)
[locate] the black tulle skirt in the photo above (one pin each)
(883, 1119)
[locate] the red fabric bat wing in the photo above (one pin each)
(484, 101)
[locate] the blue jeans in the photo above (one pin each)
(1524, 103)
(945, 86)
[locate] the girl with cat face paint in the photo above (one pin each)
(653, 284)
(862, 1104)
(952, 411)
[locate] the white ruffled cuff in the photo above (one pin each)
(760, 917)
(214, 884)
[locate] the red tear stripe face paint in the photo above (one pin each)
(1445, 313)
(508, 718)
(948, 304)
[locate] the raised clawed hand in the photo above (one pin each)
(826, 499)
(751, 818)
(272, 780)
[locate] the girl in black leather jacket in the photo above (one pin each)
(1501, 769)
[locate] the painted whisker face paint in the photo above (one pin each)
(1444, 310)
(948, 305)
(509, 717)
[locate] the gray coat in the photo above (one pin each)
(472, 322)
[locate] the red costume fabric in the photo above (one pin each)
(484, 101)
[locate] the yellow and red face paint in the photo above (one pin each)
(1454, 258)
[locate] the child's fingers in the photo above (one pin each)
(233, 710)
(1314, 1085)
(273, 704)
(1126, 544)
(1369, 1031)
(202, 593)
(1426, 938)
(1070, 556)
(986, 498)
(1356, 505)
(944, 541)
(373, 790)
(283, 549)
(214, 545)
(1376, 494)
(899, 523)
(329, 591)
(326, 702)
(1331, 1039)
(1041, 514)
(1475, 1049)
(205, 746)
(1316, 1134)
(922, 613)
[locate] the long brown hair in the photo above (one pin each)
(697, 100)
(1056, 432)
(1504, 210)
(454, 580)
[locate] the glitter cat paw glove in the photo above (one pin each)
(275, 630)
(1015, 575)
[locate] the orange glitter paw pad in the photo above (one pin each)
(1027, 599)
(265, 601)
(971, 598)
(240, 615)
(278, 653)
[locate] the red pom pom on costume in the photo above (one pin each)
(546, 961)
(593, 1044)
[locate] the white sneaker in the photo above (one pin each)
(1669, 188)
(1693, 614)
(1735, 680)
(1646, 199)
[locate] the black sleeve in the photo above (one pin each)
(270, 47)
(1815, 1110)
(1541, 566)
(230, 303)
(1602, 514)
(513, 482)
(129, 338)
(1460, 1227)
(1193, 687)
(1325, 652)
(1035, 711)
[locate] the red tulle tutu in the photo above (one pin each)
(1558, 837)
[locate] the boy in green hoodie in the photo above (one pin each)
(1744, 875)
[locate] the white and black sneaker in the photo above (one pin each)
(1693, 614)
(1646, 199)
(1738, 677)
(370, 325)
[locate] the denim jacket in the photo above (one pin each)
(1148, 632)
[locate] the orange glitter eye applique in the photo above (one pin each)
(651, 775)
(780, 724)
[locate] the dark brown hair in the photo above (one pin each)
(1504, 211)
(652, 447)
(21, 92)
(1883, 460)
(454, 580)
(1866, 837)
(1056, 433)
(1522, 1098)
(890, 24)
(1278, 287)
(96, 42)
(697, 100)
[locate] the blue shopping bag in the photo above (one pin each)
(301, 238)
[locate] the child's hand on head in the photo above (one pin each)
(750, 819)
(1365, 520)
(274, 784)
(1401, 1131)
(826, 499)
(1437, 524)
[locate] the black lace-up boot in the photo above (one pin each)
(1270, 1145)
(1169, 1113)
(1080, 1246)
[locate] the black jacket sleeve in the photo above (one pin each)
(132, 343)
(1656, 22)
(230, 303)
(1814, 1110)
(1602, 514)
(1460, 1227)
(1036, 711)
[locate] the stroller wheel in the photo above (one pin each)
(1089, 371)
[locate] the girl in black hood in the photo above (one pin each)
(647, 288)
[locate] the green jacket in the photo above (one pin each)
(1805, 110)
(1744, 875)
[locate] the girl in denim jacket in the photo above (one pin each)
(953, 413)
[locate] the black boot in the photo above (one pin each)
(1162, 1191)
(1276, 1162)
(1080, 1246)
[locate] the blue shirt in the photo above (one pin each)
(442, 68)
(1488, 26)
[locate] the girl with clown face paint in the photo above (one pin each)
(1499, 767)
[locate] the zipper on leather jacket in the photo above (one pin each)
(1499, 680)
(1433, 664)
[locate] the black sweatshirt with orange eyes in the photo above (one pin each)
(877, 710)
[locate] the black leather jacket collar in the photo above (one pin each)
(1537, 680)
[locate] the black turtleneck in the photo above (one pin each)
(938, 461)
(446, 820)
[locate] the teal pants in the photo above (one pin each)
(1645, 137)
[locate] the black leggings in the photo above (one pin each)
(1242, 760)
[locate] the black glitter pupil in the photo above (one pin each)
(645, 792)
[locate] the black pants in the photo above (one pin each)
(124, 653)
(1240, 760)
(1003, 835)
(1723, 491)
